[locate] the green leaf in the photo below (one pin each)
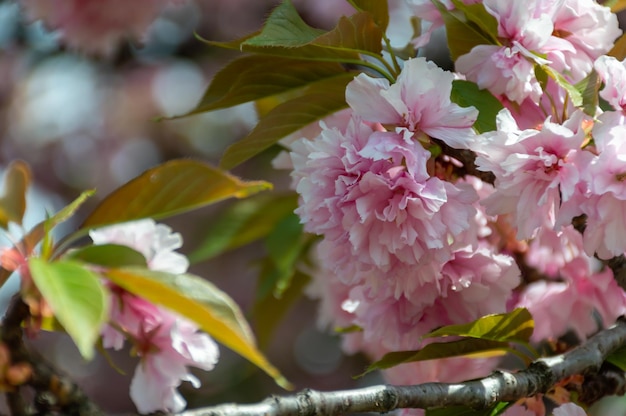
(269, 310)
(251, 78)
(13, 201)
(107, 255)
(616, 5)
(200, 301)
(285, 28)
(618, 358)
(574, 94)
(467, 346)
(515, 326)
(77, 298)
(378, 9)
(168, 189)
(619, 49)
(467, 94)
(286, 34)
(243, 222)
(477, 15)
(285, 245)
(462, 34)
(326, 98)
(588, 88)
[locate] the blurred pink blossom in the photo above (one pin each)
(95, 26)
(569, 409)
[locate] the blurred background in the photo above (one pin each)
(86, 122)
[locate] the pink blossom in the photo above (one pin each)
(590, 29)
(166, 350)
(570, 305)
(155, 241)
(550, 251)
(606, 202)
(419, 101)
(165, 342)
(369, 191)
(426, 11)
(95, 26)
(536, 170)
(613, 74)
(569, 409)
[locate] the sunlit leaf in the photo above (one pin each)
(243, 222)
(574, 94)
(168, 189)
(616, 5)
(462, 35)
(378, 9)
(107, 255)
(588, 88)
(326, 98)
(467, 346)
(619, 49)
(13, 201)
(515, 326)
(477, 15)
(269, 310)
(200, 301)
(467, 93)
(357, 32)
(77, 298)
(254, 77)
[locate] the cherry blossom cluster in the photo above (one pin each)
(410, 244)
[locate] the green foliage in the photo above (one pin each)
(244, 222)
(77, 298)
(515, 326)
(619, 49)
(486, 336)
(13, 201)
(200, 301)
(462, 347)
(378, 9)
(269, 309)
(462, 33)
(168, 189)
(467, 93)
(251, 78)
(574, 94)
(326, 98)
(588, 89)
(618, 358)
(107, 255)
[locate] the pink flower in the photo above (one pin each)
(368, 192)
(419, 101)
(536, 170)
(166, 350)
(569, 409)
(155, 241)
(590, 29)
(606, 201)
(613, 74)
(571, 304)
(95, 26)
(165, 342)
(524, 27)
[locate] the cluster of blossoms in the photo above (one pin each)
(410, 244)
(165, 343)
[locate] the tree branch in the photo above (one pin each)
(501, 386)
